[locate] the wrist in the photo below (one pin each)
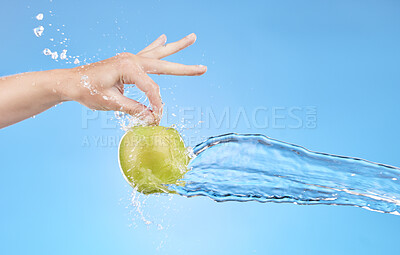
(63, 84)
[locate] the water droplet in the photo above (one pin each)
(38, 31)
(76, 61)
(47, 52)
(39, 16)
(54, 55)
(63, 54)
(119, 114)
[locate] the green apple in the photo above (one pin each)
(152, 156)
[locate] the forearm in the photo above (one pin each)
(25, 95)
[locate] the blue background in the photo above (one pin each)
(341, 57)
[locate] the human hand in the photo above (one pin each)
(100, 86)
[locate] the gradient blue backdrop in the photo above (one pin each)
(341, 57)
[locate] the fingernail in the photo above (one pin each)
(192, 35)
(204, 68)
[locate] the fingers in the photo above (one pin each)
(171, 48)
(156, 43)
(122, 103)
(155, 66)
(152, 91)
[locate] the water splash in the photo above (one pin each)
(119, 115)
(63, 54)
(86, 83)
(139, 207)
(54, 55)
(47, 52)
(59, 42)
(38, 31)
(241, 168)
(39, 16)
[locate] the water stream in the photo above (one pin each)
(234, 167)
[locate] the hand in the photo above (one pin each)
(101, 84)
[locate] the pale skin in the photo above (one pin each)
(99, 86)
